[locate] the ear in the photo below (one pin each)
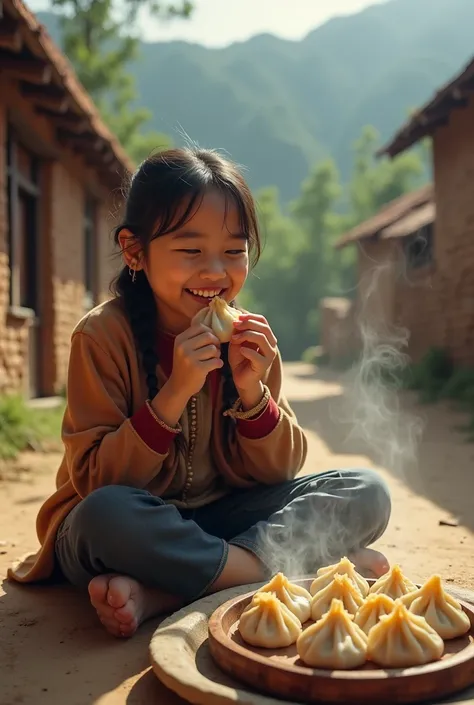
(132, 251)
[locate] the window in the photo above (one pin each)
(90, 279)
(23, 197)
(418, 248)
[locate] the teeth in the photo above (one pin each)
(206, 293)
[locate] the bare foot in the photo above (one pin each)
(122, 603)
(370, 563)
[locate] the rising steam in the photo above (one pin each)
(371, 407)
(318, 529)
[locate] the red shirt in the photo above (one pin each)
(159, 438)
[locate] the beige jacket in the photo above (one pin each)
(104, 445)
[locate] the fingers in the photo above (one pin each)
(253, 356)
(196, 337)
(207, 352)
(257, 323)
(258, 339)
(214, 363)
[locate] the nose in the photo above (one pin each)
(213, 270)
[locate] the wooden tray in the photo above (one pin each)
(281, 673)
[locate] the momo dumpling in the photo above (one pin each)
(340, 588)
(219, 316)
(394, 584)
(374, 607)
(402, 639)
(441, 611)
(344, 567)
(335, 641)
(295, 597)
(268, 623)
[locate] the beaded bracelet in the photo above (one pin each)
(236, 414)
(172, 429)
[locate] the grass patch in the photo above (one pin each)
(436, 378)
(23, 428)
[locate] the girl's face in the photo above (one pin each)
(208, 256)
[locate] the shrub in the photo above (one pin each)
(23, 427)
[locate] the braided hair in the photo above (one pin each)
(162, 196)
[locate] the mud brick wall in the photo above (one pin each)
(64, 182)
(454, 191)
(437, 303)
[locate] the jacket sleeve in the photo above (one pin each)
(103, 445)
(280, 454)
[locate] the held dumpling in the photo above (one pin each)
(335, 641)
(295, 597)
(218, 316)
(344, 567)
(374, 607)
(402, 639)
(268, 623)
(394, 584)
(441, 611)
(341, 588)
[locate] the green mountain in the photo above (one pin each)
(276, 106)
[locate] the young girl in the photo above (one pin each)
(178, 477)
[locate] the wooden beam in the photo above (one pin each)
(10, 35)
(81, 142)
(27, 70)
(50, 98)
(69, 121)
(102, 160)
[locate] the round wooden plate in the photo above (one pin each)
(281, 673)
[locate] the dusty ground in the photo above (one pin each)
(52, 649)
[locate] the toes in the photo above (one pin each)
(371, 563)
(112, 626)
(105, 612)
(127, 613)
(127, 630)
(97, 588)
(119, 592)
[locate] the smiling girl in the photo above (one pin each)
(182, 453)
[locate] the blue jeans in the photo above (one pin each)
(295, 527)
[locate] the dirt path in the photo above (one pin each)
(52, 650)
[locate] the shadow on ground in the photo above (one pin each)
(79, 664)
(443, 450)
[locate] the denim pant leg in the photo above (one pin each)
(119, 529)
(301, 525)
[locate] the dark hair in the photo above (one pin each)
(163, 184)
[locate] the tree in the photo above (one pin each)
(99, 39)
(378, 181)
(299, 265)
(271, 287)
(315, 213)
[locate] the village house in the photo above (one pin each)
(445, 314)
(60, 172)
(424, 240)
(394, 265)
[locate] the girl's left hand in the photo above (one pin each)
(252, 349)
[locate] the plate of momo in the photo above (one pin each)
(337, 637)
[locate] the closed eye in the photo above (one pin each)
(236, 252)
(189, 251)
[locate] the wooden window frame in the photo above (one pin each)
(425, 256)
(17, 185)
(90, 251)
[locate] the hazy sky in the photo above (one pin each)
(220, 22)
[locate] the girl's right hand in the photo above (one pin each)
(196, 353)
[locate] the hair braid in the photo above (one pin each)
(140, 306)
(229, 392)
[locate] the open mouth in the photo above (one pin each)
(204, 295)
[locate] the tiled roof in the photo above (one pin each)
(391, 213)
(25, 45)
(434, 113)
